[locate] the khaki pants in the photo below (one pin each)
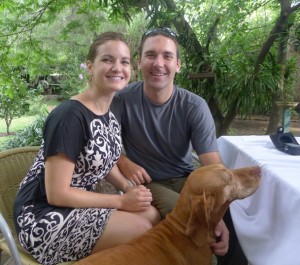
(165, 194)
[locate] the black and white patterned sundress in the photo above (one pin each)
(54, 234)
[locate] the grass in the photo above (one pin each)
(20, 123)
(16, 125)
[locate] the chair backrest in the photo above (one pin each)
(14, 165)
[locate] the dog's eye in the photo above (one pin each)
(226, 176)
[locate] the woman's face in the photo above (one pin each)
(111, 68)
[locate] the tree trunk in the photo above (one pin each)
(222, 122)
(8, 121)
(275, 117)
(276, 113)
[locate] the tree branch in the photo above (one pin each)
(295, 7)
(32, 22)
(187, 37)
(286, 11)
(212, 32)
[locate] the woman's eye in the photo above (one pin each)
(106, 60)
(150, 55)
(126, 62)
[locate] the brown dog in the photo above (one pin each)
(185, 235)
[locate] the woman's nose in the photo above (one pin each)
(117, 66)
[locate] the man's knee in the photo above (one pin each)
(164, 199)
(164, 210)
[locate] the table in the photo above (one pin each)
(268, 222)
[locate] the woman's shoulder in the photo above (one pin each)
(69, 112)
(70, 104)
(69, 107)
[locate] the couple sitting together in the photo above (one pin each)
(58, 215)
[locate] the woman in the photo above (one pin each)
(58, 216)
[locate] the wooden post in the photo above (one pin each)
(286, 114)
(201, 77)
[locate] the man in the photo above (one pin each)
(162, 124)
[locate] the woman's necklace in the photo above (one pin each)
(97, 107)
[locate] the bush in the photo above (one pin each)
(31, 135)
(37, 105)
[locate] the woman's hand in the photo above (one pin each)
(136, 199)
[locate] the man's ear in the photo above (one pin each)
(178, 65)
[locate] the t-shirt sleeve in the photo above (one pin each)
(203, 131)
(63, 133)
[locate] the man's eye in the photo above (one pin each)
(169, 56)
(126, 62)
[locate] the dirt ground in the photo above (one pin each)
(257, 125)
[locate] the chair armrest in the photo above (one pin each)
(195, 157)
(10, 240)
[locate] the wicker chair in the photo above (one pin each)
(14, 164)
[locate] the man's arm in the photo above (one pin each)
(133, 172)
(210, 158)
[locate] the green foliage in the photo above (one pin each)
(226, 36)
(231, 51)
(44, 38)
(12, 106)
(73, 83)
(30, 136)
(37, 105)
(238, 85)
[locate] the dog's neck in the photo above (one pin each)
(181, 216)
(178, 222)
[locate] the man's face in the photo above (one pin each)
(159, 62)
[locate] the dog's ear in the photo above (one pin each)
(199, 222)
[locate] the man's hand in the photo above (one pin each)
(136, 174)
(220, 247)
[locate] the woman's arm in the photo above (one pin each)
(116, 178)
(58, 175)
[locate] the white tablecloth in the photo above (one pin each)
(268, 222)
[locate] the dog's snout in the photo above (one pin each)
(256, 171)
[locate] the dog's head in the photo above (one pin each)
(207, 194)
